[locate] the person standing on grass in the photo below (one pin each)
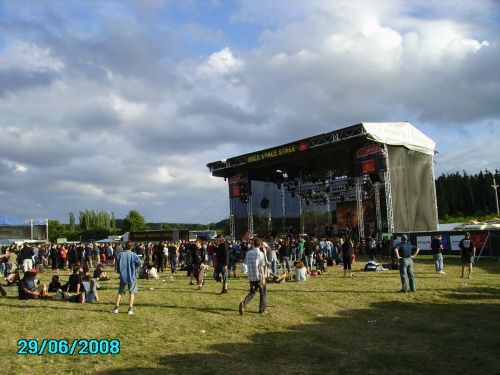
(159, 255)
(347, 255)
(437, 250)
(199, 263)
(126, 265)
(222, 256)
(26, 257)
(467, 253)
(309, 249)
(405, 252)
(256, 263)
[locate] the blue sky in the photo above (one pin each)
(119, 105)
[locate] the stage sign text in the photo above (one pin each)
(272, 153)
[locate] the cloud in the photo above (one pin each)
(117, 106)
(198, 32)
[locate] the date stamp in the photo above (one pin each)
(68, 347)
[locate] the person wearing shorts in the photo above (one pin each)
(126, 265)
(467, 253)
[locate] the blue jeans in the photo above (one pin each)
(173, 264)
(406, 273)
(309, 261)
(438, 261)
(220, 273)
(274, 267)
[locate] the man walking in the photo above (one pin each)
(255, 263)
(126, 265)
(221, 269)
(467, 253)
(405, 252)
(437, 249)
(199, 258)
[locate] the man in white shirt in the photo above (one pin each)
(255, 263)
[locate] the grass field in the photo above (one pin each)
(450, 325)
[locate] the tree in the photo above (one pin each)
(134, 222)
(113, 222)
(55, 230)
(71, 222)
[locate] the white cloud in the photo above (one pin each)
(221, 62)
(107, 115)
(73, 187)
(28, 56)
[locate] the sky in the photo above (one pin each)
(115, 106)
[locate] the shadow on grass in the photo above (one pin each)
(475, 293)
(407, 338)
(484, 263)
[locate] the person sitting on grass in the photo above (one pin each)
(54, 285)
(372, 265)
(277, 279)
(75, 279)
(13, 277)
(320, 262)
(152, 271)
(99, 274)
(87, 294)
(300, 271)
(30, 288)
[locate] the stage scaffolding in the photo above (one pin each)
(365, 179)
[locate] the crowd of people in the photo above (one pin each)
(274, 261)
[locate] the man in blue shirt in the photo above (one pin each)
(405, 252)
(126, 265)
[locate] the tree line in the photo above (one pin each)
(459, 196)
(466, 195)
(96, 225)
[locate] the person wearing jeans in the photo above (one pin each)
(255, 262)
(405, 252)
(309, 249)
(437, 249)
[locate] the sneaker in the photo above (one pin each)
(241, 309)
(224, 291)
(442, 272)
(114, 311)
(263, 312)
(402, 291)
(130, 311)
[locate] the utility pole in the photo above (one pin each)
(495, 187)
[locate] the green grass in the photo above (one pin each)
(450, 325)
